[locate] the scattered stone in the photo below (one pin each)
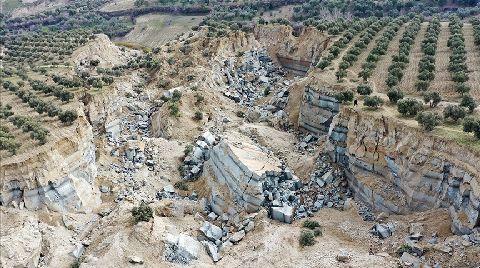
(283, 214)
(383, 230)
(169, 188)
(212, 250)
(410, 260)
(442, 248)
(237, 237)
(211, 231)
(212, 216)
(181, 249)
(250, 226)
(104, 189)
(78, 250)
(343, 257)
(135, 260)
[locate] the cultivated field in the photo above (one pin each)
(154, 30)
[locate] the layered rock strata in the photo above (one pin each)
(317, 112)
(59, 175)
(239, 170)
(400, 169)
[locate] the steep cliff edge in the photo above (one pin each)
(400, 169)
(58, 175)
(394, 167)
(294, 50)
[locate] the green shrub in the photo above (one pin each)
(409, 107)
(181, 185)
(310, 224)
(142, 213)
(394, 94)
(177, 95)
(198, 116)
(307, 238)
(174, 109)
(432, 98)
(68, 117)
(344, 96)
(240, 114)
(162, 83)
(462, 88)
(404, 248)
(77, 262)
(364, 89)
(188, 149)
(340, 74)
(373, 102)
(454, 112)
(181, 170)
(428, 120)
(471, 124)
(266, 91)
(199, 98)
(468, 102)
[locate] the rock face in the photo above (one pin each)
(101, 49)
(317, 112)
(396, 168)
(59, 175)
(238, 171)
(295, 49)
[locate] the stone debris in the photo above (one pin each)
(78, 250)
(195, 159)
(410, 260)
(343, 256)
(237, 237)
(283, 214)
(231, 231)
(181, 249)
(246, 79)
(288, 198)
(212, 250)
(383, 230)
(211, 231)
(135, 260)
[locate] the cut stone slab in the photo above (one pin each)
(181, 248)
(211, 231)
(283, 214)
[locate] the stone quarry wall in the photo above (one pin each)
(399, 169)
(294, 52)
(317, 111)
(236, 181)
(59, 175)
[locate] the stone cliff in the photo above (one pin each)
(295, 51)
(239, 170)
(58, 175)
(394, 167)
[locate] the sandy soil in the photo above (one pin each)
(473, 61)
(381, 71)
(407, 84)
(442, 82)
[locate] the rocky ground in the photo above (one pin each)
(144, 155)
